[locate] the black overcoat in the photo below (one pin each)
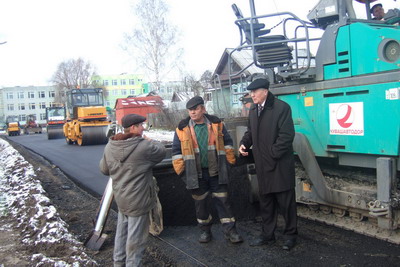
(271, 134)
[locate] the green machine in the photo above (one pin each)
(345, 101)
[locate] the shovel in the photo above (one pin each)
(97, 238)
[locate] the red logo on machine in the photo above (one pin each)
(344, 116)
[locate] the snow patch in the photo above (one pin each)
(23, 197)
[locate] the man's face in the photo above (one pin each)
(197, 113)
(137, 129)
(378, 12)
(259, 95)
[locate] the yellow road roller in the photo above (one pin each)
(86, 117)
(13, 127)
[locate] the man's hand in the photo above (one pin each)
(147, 138)
(242, 151)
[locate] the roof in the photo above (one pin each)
(241, 59)
(182, 96)
(138, 101)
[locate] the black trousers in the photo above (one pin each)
(285, 203)
(209, 186)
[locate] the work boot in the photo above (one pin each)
(262, 240)
(205, 237)
(289, 244)
(233, 236)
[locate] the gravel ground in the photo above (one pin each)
(319, 244)
(73, 206)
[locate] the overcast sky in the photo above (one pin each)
(40, 34)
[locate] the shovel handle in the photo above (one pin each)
(104, 206)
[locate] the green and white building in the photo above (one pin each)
(120, 86)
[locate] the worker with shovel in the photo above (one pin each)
(128, 159)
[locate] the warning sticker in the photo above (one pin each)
(346, 118)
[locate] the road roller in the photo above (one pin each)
(86, 117)
(13, 127)
(55, 117)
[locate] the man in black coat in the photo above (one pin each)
(270, 132)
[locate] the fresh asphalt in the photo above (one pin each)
(318, 244)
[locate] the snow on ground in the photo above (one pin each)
(22, 197)
(160, 135)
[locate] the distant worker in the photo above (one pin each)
(128, 159)
(201, 152)
(271, 133)
(378, 12)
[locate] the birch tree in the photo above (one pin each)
(153, 42)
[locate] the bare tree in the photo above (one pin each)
(192, 84)
(153, 42)
(72, 74)
(206, 80)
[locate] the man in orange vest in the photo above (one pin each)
(201, 152)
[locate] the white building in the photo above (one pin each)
(23, 101)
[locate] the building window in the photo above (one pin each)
(20, 95)
(42, 116)
(114, 82)
(32, 106)
(52, 104)
(108, 103)
(41, 94)
(10, 107)
(21, 106)
(114, 92)
(10, 95)
(31, 94)
(106, 93)
(22, 117)
(132, 92)
(238, 91)
(131, 81)
(123, 82)
(123, 91)
(42, 105)
(208, 96)
(52, 94)
(105, 82)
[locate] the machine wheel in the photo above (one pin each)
(326, 210)
(339, 212)
(313, 207)
(357, 217)
(55, 133)
(79, 141)
(92, 135)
